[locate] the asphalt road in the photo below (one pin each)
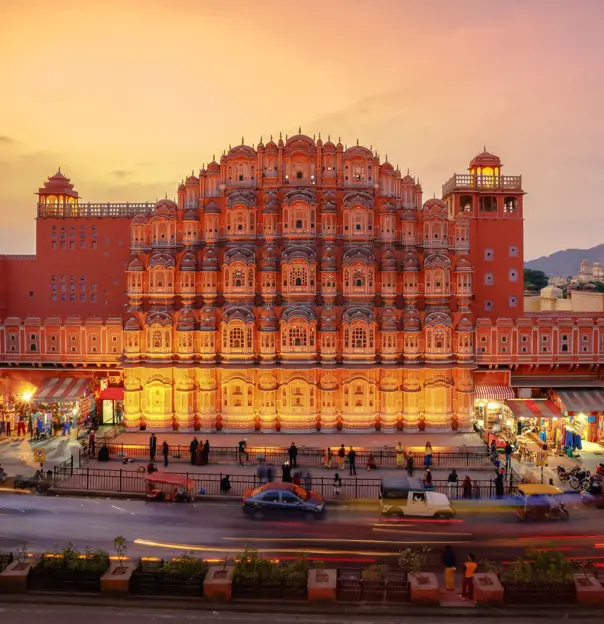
(45, 614)
(215, 530)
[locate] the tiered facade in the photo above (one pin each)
(297, 286)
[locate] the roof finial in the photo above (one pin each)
(319, 135)
(357, 141)
(166, 197)
(214, 157)
(339, 139)
(242, 141)
(192, 171)
(260, 138)
(386, 158)
(314, 137)
(59, 168)
(329, 137)
(286, 136)
(484, 149)
(434, 194)
(271, 137)
(280, 135)
(299, 129)
(407, 170)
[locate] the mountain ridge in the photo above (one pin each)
(566, 261)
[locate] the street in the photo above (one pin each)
(59, 614)
(215, 530)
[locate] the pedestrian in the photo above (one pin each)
(287, 473)
(242, 451)
(499, 486)
(352, 458)
(152, 446)
(328, 458)
(30, 426)
(193, 450)
(428, 455)
(205, 453)
(270, 473)
(225, 485)
(261, 473)
(508, 454)
(292, 453)
(308, 481)
(410, 465)
(470, 566)
(8, 428)
(297, 478)
(341, 457)
(2, 427)
(371, 463)
(399, 455)
(21, 425)
(428, 480)
(494, 452)
(467, 488)
(337, 485)
(449, 563)
(91, 443)
(452, 480)
(164, 451)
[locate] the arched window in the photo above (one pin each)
(358, 277)
(298, 276)
(236, 338)
(439, 339)
(297, 335)
(237, 277)
(359, 338)
(156, 339)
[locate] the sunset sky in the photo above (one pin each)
(129, 96)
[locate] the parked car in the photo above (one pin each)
(283, 500)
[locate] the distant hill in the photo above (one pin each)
(566, 262)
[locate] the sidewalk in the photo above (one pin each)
(17, 454)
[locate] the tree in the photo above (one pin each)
(533, 277)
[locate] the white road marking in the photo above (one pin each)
(114, 507)
(17, 508)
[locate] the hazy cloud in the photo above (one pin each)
(6, 140)
(121, 173)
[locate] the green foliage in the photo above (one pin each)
(186, 565)
(249, 566)
(121, 548)
(22, 554)
(72, 559)
(533, 277)
(375, 573)
(487, 565)
(541, 566)
(319, 565)
(412, 560)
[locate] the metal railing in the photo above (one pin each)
(306, 456)
(474, 181)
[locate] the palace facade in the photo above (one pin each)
(295, 286)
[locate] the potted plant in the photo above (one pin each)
(374, 582)
(116, 579)
(487, 586)
(424, 585)
(589, 590)
(13, 579)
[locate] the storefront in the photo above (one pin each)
(61, 405)
(539, 418)
(583, 410)
(112, 406)
(489, 402)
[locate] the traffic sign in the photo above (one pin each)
(40, 455)
(542, 458)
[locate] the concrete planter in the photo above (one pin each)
(589, 590)
(13, 579)
(488, 589)
(322, 585)
(424, 588)
(218, 583)
(116, 581)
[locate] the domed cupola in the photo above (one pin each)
(411, 322)
(389, 322)
(268, 319)
(329, 319)
(388, 260)
(328, 260)
(210, 261)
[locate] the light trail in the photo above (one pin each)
(405, 532)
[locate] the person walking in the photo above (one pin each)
(428, 455)
(287, 473)
(470, 566)
(399, 455)
(428, 480)
(205, 453)
(452, 480)
(508, 455)
(328, 458)
(341, 457)
(91, 443)
(270, 473)
(410, 465)
(308, 481)
(225, 485)
(261, 473)
(449, 563)
(165, 449)
(337, 485)
(242, 451)
(21, 425)
(352, 459)
(152, 446)
(467, 488)
(499, 486)
(193, 450)
(292, 453)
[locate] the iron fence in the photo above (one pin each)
(352, 488)
(305, 456)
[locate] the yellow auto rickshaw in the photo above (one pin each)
(540, 502)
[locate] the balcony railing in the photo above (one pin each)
(94, 210)
(482, 182)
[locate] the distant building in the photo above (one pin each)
(558, 280)
(551, 299)
(589, 272)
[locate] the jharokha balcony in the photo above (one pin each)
(474, 181)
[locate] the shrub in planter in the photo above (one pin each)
(186, 566)
(374, 582)
(424, 585)
(182, 576)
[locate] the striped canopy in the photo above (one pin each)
(534, 409)
(494, 393)
(577, 401)
(61, 389)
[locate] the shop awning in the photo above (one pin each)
(530, 381)
(494, 393)
(577, 401)
(534, 409)
(61, 389)
(112, 394)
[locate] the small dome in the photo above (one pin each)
(188, 262)
(409, 215)
(271, 146)
(408, 180)
(328, 260)
(136, 265)
(186, 322)
(410, 262)
(208, 321)
(132, 324)
(212, 208)
(435, 203)
(329, 145)
(166, 205)
(485, 159)
(388, 260)
(463, 265)
(191, 215)
(552, 292)
(464, 325)
(328, 319)
(192, 180)
(386, 167)
(213, 167)
(389, 321)
(268, 318)
(411, 321)
(210, 261)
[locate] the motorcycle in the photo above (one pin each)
(600, 470)
(580, 480)
(37, 483)
(563, 474)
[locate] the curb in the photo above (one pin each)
(178, 603)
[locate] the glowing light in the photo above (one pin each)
(494, 405)
(582, 417)
(508, 422)
(27, 396)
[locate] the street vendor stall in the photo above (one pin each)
(60, 404)
(167, 486)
